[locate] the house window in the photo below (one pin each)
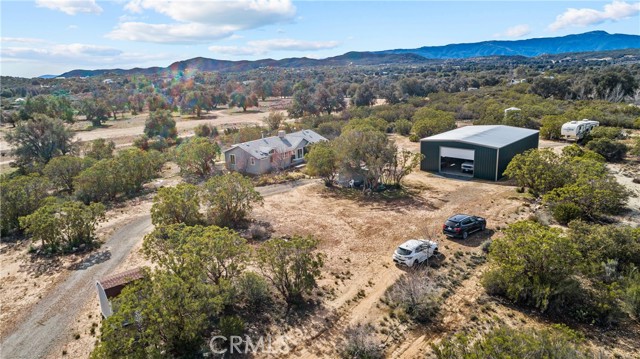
(252, 161)
(232, 159)
(299, 153)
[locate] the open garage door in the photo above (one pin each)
(460, 153)
(457, 161)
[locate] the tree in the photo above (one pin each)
(197, 158)
(322, 161)
(365, 153)
(124, 174)
(363, 96)
(291, 266)
(168, 316)
(64, 226)
(196, 101)
(217, 255)
(96, 111)
(100, 149)
(274, 120)
(173, 205)
(241, 100)
(550, 87)
(611, 150)
(302, 103)
(39, 140)
(61, 171)
(51, 106)
(20, 196)
(160, 123)
(614, 84)
(551, 126)
(402, 163)
(428, 122)
(531, 265)
(229, 199)
(539, 170)
(325, 101)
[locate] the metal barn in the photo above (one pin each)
(476, 151)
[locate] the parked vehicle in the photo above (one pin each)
(467, 166)
(577, 130)
(461, 225)
(414, 252)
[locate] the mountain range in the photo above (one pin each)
(586, 42)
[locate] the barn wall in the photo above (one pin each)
(508, 152)
(484, 162)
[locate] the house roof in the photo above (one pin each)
(260, 148)
(121, 279)
(495, 136)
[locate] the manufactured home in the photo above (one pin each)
(271, 153)
(577, 130)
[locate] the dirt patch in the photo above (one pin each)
(359, 235)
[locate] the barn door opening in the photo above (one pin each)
(457, 161)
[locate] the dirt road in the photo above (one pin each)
(47, 324)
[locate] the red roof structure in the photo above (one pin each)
(114, 284)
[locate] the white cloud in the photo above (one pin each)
(515, 31)
(59, 51)
(201, 21)
(617, 10)
(262, 47)
(72, 27)
(74, 55)
(71, 7)
(21, 40)
(169, 33)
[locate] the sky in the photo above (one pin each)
(53, 36)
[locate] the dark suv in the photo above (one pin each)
(461, 225)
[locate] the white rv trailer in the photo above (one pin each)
(577, 130)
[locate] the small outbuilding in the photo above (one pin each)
(476, 151)
(112, 286)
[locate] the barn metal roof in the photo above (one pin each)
(493, 136)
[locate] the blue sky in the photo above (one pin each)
(54, 36)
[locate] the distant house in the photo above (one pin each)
(107, 81)
(270, 153)
(111, 287)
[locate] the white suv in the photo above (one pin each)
(414, 252)
(467, 166)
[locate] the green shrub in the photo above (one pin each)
(403, 127)
(558, 342)
(254, 290)
(611, 150)
(230, 326)
(566, 212)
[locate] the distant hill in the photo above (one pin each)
(205, 64)
(587, 42)
(47, 76)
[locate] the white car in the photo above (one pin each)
(414, 252)
(467, 166)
